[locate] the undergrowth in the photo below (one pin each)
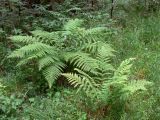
(80, 60)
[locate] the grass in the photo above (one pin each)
(141, 39)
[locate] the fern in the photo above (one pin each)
(24, 39)
(32, 49)
(116, 85)
(83, 81)
(136, 85)
(47, 37)
(72, 25)
(52, 72)
(82, 61)
(47, 57)
(123, 71)
(73, 46)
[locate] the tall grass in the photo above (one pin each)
(141, 39)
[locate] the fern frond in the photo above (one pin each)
(82, 61)
(52, 72)
(32, 49)
(25, 60)
(45, 61)
(119, 79)
(123, 71)
(136, 85)
(24, 39)
(105, 51)
(91, 35)
(133, 87)
(83, 83)
(47, 37)
(90, 48)
(120, 75)
(73, 24)
(97, 33)
(38, 36)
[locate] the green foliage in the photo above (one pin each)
(46, 47)
(108, 86)
(10, 105)
(51, 107)
(53, 50)
(140, 39)
(120, 78)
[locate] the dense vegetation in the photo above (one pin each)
(79, 60)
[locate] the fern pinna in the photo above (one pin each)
(52, 50)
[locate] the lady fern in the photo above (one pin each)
(103, 86)
(54, 51)
(107, 88)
